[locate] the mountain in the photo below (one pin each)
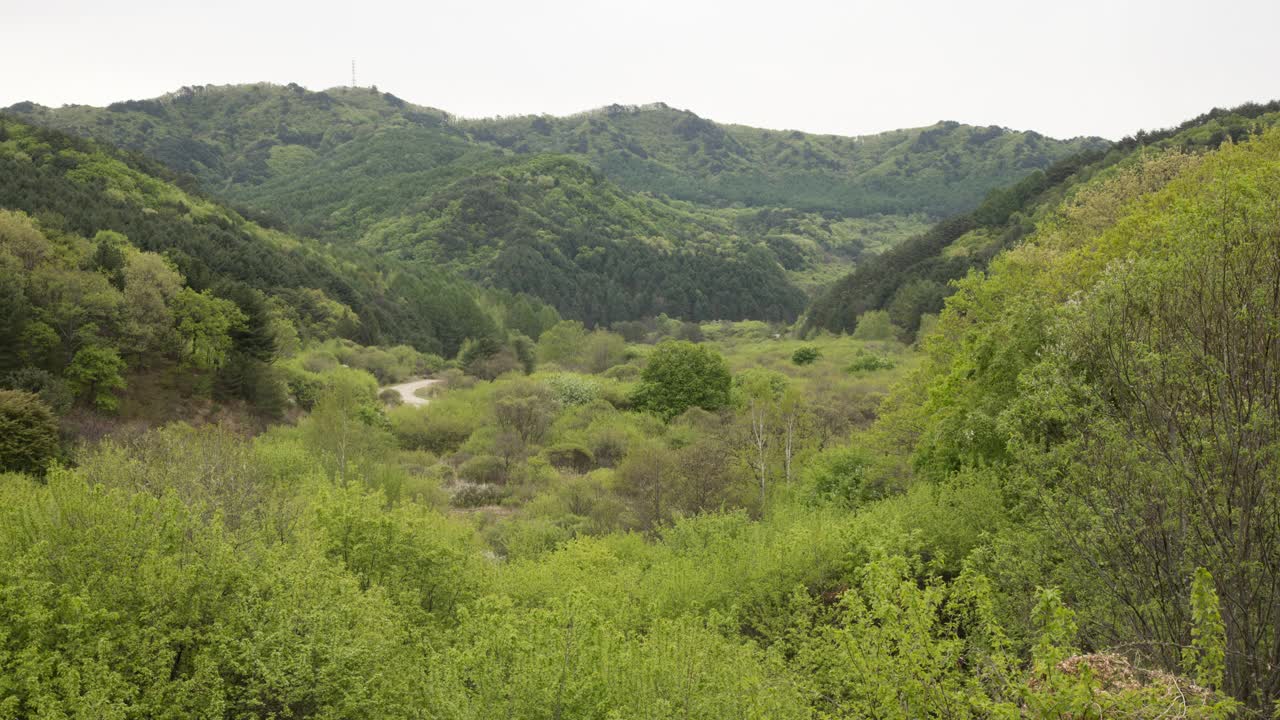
(649, 209)
(105, 264)
(938, 170)
(912, 278)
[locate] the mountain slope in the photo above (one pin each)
(1109, 389)
(912, 278)
(938, 170)
(354, 165)
(247, 134)
(77, 187)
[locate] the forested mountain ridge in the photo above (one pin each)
(911, 279)
(938, 170)
(233, 135)
(354, 165)
(554, 228)
(246, 134)
(108, 270)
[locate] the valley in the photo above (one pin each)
(329, 405)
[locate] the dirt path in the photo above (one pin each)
(406, 390)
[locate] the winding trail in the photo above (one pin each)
(406, 390)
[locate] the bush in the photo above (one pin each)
(875, 325)
(866, 362)
(470, 496)
(569, 456)
(54, 391)
(440, 427)
(574, 389)
(391, 398)
(622, 372)
(838, 476)
(805, 355)
(28, 432)
(484, 470)
(681, 375)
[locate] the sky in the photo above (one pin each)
(848, 67)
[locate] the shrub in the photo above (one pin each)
(866, 362)
(484, 470)
(622, 372)
(681, 375)
(54, 391)
(570, 456)
(440, 427)
(391, 398)
(838, 476)
(470, 496)
(875, 325)
(28, 432)
(805, 355)
(574, 389)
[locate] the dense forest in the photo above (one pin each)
(589, 203)
(1042, 486)
(913, 277)
(110, 269)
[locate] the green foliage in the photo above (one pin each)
(805, 355)
(681, 375)
(574, 389)
(1074, 376)
(1205, 660)
(875, 325)
(865, 362)
(95, 373)
(576, 210)
(28, 433)
(562, 343)
(672, 152)
(77, 187)
(205, 323)
(911, 278)
(1095, 415)
(839, 476)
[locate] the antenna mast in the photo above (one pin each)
(353, 72)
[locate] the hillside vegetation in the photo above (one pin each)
(1062, 505)
(937, 170)
(912, 278)
(588, 202)
(107, 270)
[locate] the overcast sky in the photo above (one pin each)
(1064, 68)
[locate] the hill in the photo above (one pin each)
(233, 136)
(102, 258)
(912, 278)
(937, 170)
(355, 165)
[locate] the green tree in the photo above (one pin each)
(805, 355)
(109, 256)
(205, 323)
(875, 325)
(150, 286)
(1206, 659)
(601, 351)
(647, 481)
(759, 392)
(28, 432)
(563, 343)
(526, 408)
(95, 372)
(345, 425)
(681, 375)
